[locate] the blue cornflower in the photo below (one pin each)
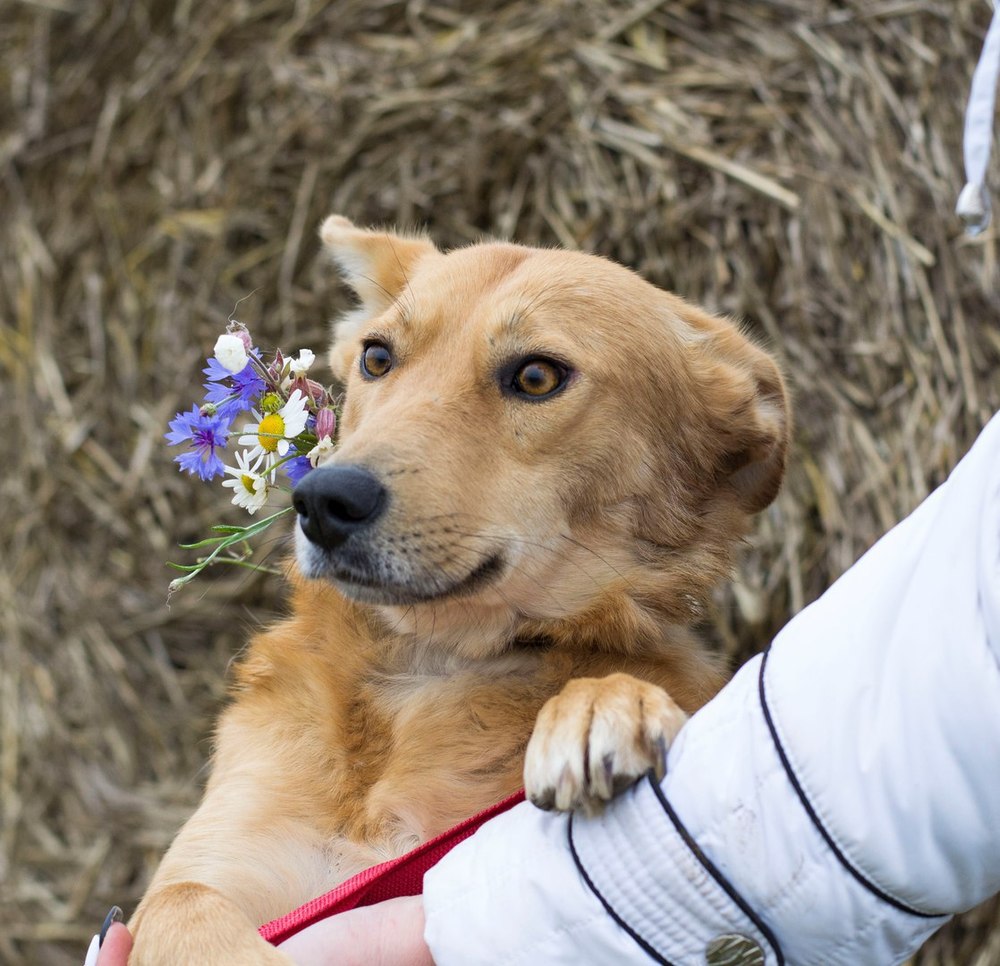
(296, 468)
(232, 392)
(203, 434)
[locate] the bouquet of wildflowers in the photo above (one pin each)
(290, 423)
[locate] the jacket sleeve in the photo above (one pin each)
(835, 804)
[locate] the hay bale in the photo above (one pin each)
(793, 162)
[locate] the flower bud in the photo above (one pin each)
(313, 391)
(242, 333)
(208, 409)
(326, 424)
(276, 369)
(271, 403)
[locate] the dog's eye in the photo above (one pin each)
(376, 360)
(538, 378)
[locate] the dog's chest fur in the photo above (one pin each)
(376, 752)
(422, 748)
(378, 745)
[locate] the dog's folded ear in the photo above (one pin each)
(747, 409)
(756, 463)
(376, 265)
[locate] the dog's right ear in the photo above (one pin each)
(376, 265)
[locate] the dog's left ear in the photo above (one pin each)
(747, 409)
(376, 265)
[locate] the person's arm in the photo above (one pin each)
(834, 804)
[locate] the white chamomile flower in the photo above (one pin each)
(231, 351)
(300, 366)
(250, 487)
(270, 437)
(324, 448)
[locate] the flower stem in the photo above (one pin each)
(228, 537)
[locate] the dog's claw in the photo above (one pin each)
(597, 737)
(605, 786)
(660, 763)
(566, 790)
(545, 800)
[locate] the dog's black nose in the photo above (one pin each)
(335, 501)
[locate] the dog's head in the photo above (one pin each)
(529, 435)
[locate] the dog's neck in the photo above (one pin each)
(625, 628)
(616, 634)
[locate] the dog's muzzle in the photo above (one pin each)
(335, 502)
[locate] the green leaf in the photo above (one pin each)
(229, 537)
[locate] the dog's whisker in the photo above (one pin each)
(570, 539)
(475, 559)
(368, 278)
(601, 557)
(548, 590)
(505, 538)
(406, 277)
(402, 617)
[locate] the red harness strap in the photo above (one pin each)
(403, 876)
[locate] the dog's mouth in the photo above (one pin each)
(363, 584)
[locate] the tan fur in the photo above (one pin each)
(358, 730)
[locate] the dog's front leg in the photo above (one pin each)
(189, 922)
(596, 737)
(248, 854)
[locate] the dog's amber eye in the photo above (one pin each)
(376, 360)
(538, 378)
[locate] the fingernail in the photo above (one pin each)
(92, 949)
(114, 915)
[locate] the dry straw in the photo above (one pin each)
(792, 162)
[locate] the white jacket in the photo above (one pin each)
(835, 804)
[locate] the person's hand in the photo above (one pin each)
(112, 946)
(390, 933)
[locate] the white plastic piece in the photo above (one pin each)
(973, 203)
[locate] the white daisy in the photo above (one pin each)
(231, 351)
(250, 487)
(271, 436)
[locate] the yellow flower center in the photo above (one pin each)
(270, 430)
(248, 483)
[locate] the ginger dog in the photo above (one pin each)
(545, 464)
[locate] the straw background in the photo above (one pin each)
(791, 162)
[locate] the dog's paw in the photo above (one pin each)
(188, 922)
(595, 738)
